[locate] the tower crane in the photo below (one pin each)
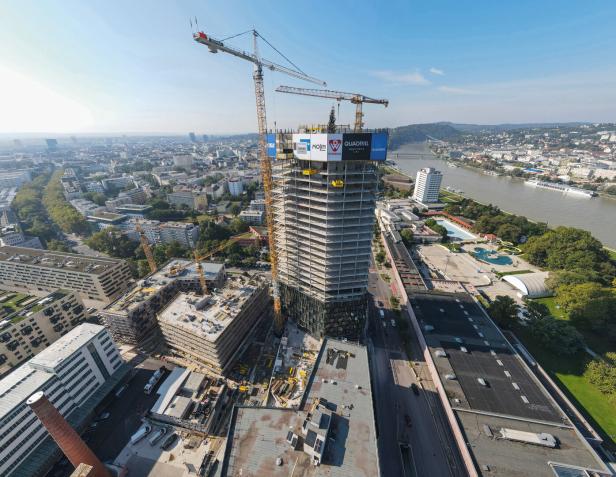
(265, 162)
(145, 245)
(357, 99)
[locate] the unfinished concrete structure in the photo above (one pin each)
(324, 199)
(211, 330)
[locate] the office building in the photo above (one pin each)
(427, 185)
(211, 330)
(132, 317)
(75, 374)
(324, 201)
(95, 279)
(236, 186)
(186, 234)
(29, 324)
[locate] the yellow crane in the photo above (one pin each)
(145, 245)
(265, 161)
(199, 258)
(357, 99)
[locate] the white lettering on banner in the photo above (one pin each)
(356, 144)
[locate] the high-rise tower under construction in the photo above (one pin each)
(324, 197)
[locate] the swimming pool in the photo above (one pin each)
(492, 257)
(455, 232)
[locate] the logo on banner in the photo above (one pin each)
(334, 145)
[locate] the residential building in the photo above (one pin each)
(252, 217)
(185, 161)
(7, 195)
(186, 234)
(324, 201)
(96, 279)
(132, 317)
(188, 198)
(11, 235)
(9, 179)
(74, 373)
(236, 186)
(28, 324)
(211, 330)
(117, 182)
(257, 204)
(427, 185)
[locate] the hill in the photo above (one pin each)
(420, 133)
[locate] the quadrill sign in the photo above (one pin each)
(356, 147)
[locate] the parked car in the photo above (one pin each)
(104, 416)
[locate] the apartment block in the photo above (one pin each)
(95, 279)
(323, 208)
(29, 324)
(69, 372)
(427, 185)
(132, 317)
(211, 330)
(17, 178)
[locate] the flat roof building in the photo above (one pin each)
(28, 324)
(211, 330)
(514, 424)
(69, 372)
(323, 208)
(332, 434)
(95, 279)
(132, 317)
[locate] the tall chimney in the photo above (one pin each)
(65, 436)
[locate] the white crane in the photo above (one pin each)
(266, 165)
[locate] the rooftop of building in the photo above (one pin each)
(208, 316)
(106, 216)
(62, 349)
(467, 347)
(14, 307)
(21, 383)
(341, 382)
(134, 207)
(177, 268)
(58, 260)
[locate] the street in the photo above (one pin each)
(414, 437)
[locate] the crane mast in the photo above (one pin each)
(264, 160)
(357, 99)
(145, 245)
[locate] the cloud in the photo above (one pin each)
(436, 71)
(415, 78)
(454, 90)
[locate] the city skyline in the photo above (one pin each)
(101, 69)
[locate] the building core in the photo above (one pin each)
(324, 198)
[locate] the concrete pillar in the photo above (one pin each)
(65, 436)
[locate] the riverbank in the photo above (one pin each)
(514, 197)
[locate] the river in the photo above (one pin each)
(597, 215)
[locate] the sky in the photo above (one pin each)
(111, 66)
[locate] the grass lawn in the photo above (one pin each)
(612, 253)
(568, 373)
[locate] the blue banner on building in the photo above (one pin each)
(271, 144)
(378, 149)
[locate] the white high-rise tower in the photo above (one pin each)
(427, 185)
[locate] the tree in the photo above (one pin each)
(557, 335)
(602, 373)
(536, 310)
(238, 226)
(235, 209)
(58, 246)
(331, 124)
(570, 249)
(112, 242)
(509, 232)
(503, 310)
(380, 257)
(407, 236)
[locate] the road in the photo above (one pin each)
(420, 444)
